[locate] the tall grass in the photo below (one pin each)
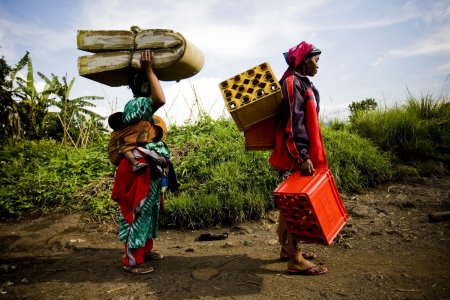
(42, 176)
(224, 184)
(415, 132)
(356, 162)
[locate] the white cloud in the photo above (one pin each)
(444, 68)
(223, 30)
(43, 42)
(184, 100)
(435, 44)
(334, 112)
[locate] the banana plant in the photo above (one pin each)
(33, 105)
(10, 121)
(73, 113)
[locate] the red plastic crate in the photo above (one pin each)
(261, 136)
(312, 207)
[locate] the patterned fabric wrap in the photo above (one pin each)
(145, 223)
(127, 138)
(137, 194)
(137, 109)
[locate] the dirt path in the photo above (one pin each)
(388, 250)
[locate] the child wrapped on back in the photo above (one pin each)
(126, 137)
(137, 127)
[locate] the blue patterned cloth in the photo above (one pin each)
(145, 223)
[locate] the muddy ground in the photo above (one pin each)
(388, 250)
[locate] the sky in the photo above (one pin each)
(384, 49)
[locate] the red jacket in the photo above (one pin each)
(298, 136)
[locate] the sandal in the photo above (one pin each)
(138, 166)
(284, 256)
(138, 269)
(314, 270)
(153, 256)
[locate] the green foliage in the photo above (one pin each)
(431, 168)
(414, 132)
(404, 171)
(224, 184)
(355, 162)
(337, 124)
(362, 106)
(32, 105)
(24, 111)
(79, 125)
(10, 123)
(221, 183)
(95, 198)
(40, 175)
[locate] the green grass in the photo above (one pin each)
(415, 132)
(221, 182)
(356, 163)
(40, 175)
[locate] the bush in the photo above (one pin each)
(414, 132)
(224, 183)
(356, 163)
(40, 175)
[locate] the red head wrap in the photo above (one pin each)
(295, 56)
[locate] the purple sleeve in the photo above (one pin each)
(297, 136)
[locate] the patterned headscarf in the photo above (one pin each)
(296, 55)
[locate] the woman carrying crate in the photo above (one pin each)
(298, 144)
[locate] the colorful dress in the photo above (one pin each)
(137, 194)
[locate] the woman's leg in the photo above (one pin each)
(282, 233)
(149, 254)
(148, 246)
(133, 256)
(291, 248)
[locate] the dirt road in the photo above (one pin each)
(388, 250)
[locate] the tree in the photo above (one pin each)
(10, 122)
(79, 124)
(24, 110)
(368, 104)
(33, 105)
(364, 105)
(5, 98)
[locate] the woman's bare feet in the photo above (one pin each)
(306, 267)
(284, 256)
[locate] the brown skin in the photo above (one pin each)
(130, 157)
(156, 93)
(308, 67)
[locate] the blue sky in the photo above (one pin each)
(370, 49)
